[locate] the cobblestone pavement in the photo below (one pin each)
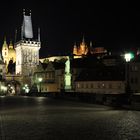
(42, 118)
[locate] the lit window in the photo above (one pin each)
(134, 68)
(78, 85)
(103, 85)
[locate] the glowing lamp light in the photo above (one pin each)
(26, 85)
(26, 88)
(40, 79)
(128, 56)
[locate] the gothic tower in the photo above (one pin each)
(11, 53)
(5, 52)
(27, 49)
(75, 49)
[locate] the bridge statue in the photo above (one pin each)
(67, 75)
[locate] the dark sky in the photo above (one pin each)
(114, 25)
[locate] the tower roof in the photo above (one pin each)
(83, 40)
(5, 44)
(11, 45)
(27, 30)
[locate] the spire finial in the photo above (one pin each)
(39, 34)
(15, 39)
(90, 43)
(10, 42)
(30, 12)
(83, 39)
(23, 11)
(22, 32)
(5, 38)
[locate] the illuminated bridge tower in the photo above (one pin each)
(27, 49)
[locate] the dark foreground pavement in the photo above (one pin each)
(42, 118)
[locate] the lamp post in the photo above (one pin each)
(128, 57)
(40, 80)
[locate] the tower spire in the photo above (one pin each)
(26, 29)
(22, 32)
(23, 12)
(90, 44)
(5, 39)
(38, 34)
(15, 39)
(83, 40)
(30, 12)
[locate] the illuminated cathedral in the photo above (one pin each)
(8, 53)
(83, 49)
(80, 50)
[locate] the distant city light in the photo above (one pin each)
(128, 56)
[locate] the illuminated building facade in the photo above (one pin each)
(52, 74)
(8, 53)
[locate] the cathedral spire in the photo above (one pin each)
(75, 49)
(5, 40)
(10, 42)
(15, 39)
(5, 46)
(90, 44)
(83, 40)
(10, 45)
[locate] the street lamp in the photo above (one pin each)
(128, 56)
(26, 88)
(40, 80)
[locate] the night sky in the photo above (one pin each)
(114, 25)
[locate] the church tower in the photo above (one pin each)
(5, 52)
(75, 49)
(11, 52)
(27, 49)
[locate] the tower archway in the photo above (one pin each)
(13, 87)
